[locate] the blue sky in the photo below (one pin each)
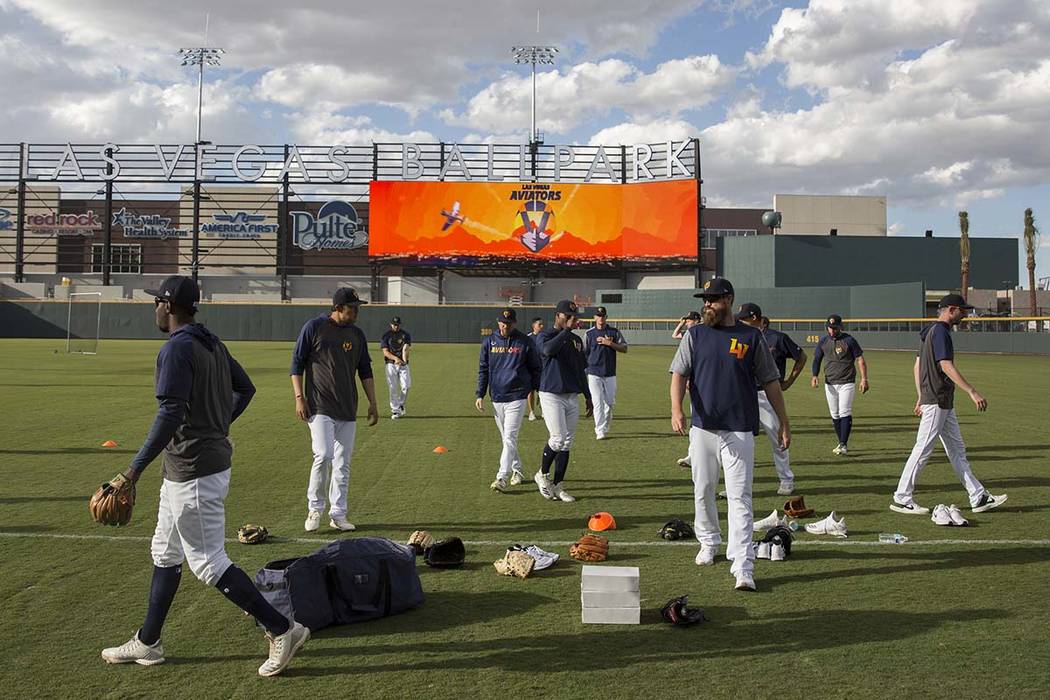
(940, 105)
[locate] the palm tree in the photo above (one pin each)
(964, 250)
(1031, 242)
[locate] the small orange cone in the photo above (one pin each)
(109, 443)
(440, 450)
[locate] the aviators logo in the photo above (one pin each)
(347, 346)
(737, 348)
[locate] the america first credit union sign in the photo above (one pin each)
(343, 163)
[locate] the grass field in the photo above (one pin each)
(956, 612)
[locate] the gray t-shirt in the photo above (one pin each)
(936, 387)
(839, 353)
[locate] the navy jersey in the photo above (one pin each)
(329, 355)
(782, 347)
(563, 363)
(601, 359)
(395, 342)
(724, 364)
(936, 387)
(839, 353)
(508, 367)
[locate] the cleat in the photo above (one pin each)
(134, 651)
(516, 478)
(957, 517)
(909, 508)
(313, 521)
(745, 582)
(941, 516)
(706, 555)
(283, 648)
(771, 520)
(341, 524)
(828, 526)
(988, 501)
(498, 485)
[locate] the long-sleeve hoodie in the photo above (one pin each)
(508, 367)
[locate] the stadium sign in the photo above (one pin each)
(6, 221)
(238, 225)
(147, 226)
(86, 224)
(336, 227)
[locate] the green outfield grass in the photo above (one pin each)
(955, 619)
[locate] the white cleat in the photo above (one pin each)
(600, 437)
(498, 485)
(941, 515)
(562, 494)
(341, 524)
(777, 553)
(762, 551)
(134, 651)
(532, 416)
(786, 488)
(394, 416)
(685, 463)
(988, 501)
(544, 485)
(745, 582)
(828, 526)
(957, 517)
(313, 521)
(771, 520)
(706, 555)
(843, 450)
(283, 648)
(837, 449)
(516, 478)
(909, 508)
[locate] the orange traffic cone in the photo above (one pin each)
(109, 443)
(440, 450)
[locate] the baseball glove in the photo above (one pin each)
(446, 554)
(515, 563)
(420, 541)
(795, 507)
(676, 529)
(676, 612)
(252, 534)
(590, 548)
(113, 502)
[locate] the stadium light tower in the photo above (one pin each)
(200, 57)
(533, 55)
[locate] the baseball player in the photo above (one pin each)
(600, 344)
(562, 378)
(936, 377)
(687, 322)
(724, 360)
(396, 344)
(330, 350)
(200, 390)
(509, 369)
(534, 334)
(841, 351)
(751, 314)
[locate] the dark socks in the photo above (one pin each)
(235, 585)
(838, 428)
(847, 426)
(161, 593)
(548, 459)
(561, 463)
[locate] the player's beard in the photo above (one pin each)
(710, 317)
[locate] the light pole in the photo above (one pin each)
(533, 55)
(199, 57)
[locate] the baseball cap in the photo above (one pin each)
(346, 296)
(717, 287)
(179, 290)
(600, 311)
(954, 300)
(749, 310)
(396, 320)
(834, 321)
(508, 315)
(566, 306)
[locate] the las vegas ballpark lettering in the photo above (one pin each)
(246, 163)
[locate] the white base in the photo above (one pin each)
(612, 616)
(610, 599)
(609, 578)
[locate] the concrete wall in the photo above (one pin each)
(818, 214)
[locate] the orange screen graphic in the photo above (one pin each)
(533, 220)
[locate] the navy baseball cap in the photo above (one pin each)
(600, 311)
(566, 306)
(396, 320)
(954, 300)
(346, 296)
(508, 315)
(749, 310)
(717, 287)
(179, 290)
(834, 321)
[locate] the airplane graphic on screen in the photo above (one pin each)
(452, 216)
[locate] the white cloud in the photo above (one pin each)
(648, 132)
(320, 127)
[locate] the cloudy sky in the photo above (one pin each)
(940, 105)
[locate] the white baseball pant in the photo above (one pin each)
(561, 412)
(603, 396)
(735, 452)
(332, 442)
(937, 422)
(191, 526)
(398, 375)
(508, 417)
(840, 399)
(770, 424)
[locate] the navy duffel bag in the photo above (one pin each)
(345, 581)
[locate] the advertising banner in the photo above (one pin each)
(533, 220)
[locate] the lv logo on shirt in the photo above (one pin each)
(739, 349)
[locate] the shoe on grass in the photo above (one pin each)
(135, 652)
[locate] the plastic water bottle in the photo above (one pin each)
(892, 538)
(792, 524)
